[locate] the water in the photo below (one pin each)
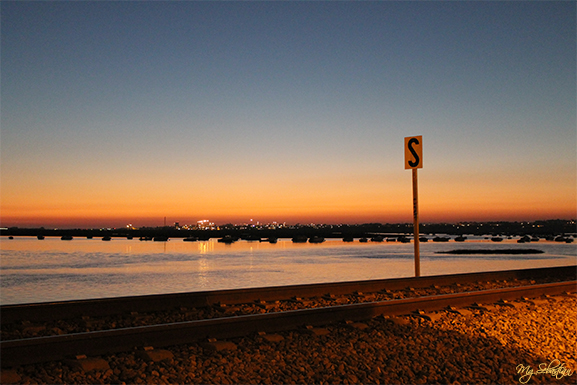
(54, 270)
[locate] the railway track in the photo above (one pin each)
(94, 343)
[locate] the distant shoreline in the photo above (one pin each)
(545, 229)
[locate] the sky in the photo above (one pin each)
(132, 112)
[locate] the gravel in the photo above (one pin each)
(477, 346)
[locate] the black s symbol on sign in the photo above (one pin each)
(412, 150)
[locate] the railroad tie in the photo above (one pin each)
(399, 321)
(428, 316)
(357, 325)
(537, 301)
(309, 329)
(461, 311)
(505, 303)
(271, 337)
(216, 346)
(477, 306)
(148, 353)
(87, 364)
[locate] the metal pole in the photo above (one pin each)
(416, 223)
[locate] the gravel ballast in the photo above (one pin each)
(505, 344)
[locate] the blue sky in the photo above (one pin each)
(120, 110)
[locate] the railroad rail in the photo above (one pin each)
(43, 312)
(33, 350)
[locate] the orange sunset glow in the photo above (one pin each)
(323, 201)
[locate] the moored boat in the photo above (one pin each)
(228, 239)
(316, 239)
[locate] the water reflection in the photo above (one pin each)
(203, 269)
(38, 271)
(205, 247)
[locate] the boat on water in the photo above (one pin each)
(107, 238)
(300, 239)
(269, 240)
(377, 238)
(66, 237)
(564, 239)
(460, 238)
(228, 239)
(497, 239)
(441, 239)
(40, 237)
(190, 239)
(316, 239)
(348, 239)
(160, 238)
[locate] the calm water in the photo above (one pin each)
(53, 270)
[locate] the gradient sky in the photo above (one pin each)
(129, 112)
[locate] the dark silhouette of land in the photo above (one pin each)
(545, 228)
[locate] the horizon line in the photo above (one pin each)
(285, 224)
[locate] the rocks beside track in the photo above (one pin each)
(477, 346)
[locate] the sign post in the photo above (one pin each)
(414, 161)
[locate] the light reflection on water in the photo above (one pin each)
(51, 270)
